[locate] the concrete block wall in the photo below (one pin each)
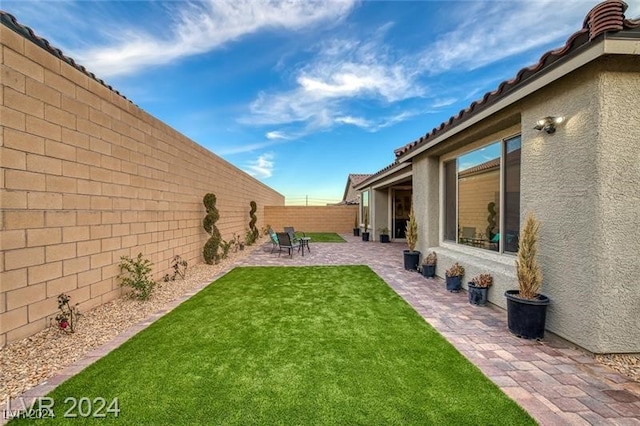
(339, 219)
(87, 177)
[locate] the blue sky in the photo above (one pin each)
(301, 93)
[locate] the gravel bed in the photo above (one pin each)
(28, 362)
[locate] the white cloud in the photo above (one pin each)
(373, 125)
(203, 26)
(491, 31)
(343, 70)
(277, 134)
(262, 167)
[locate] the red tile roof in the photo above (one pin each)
(605, 17)
(9, 21)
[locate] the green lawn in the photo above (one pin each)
(291, 346)
(323, 237)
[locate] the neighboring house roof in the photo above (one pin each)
(481, 168)
(604, 18)
(9, 21)
(352, 181)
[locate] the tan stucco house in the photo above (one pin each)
(473, 179)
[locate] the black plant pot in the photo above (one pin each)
(454, 284)
(384, 238)
(428, 271)
(477, 295)
(356, 232)
(365, 236)
(411, 260)
(526, 318)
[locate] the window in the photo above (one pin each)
(477, 184)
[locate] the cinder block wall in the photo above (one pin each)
(88, 177)
(339, 219)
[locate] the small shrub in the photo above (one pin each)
(430, 259)
(456, 270)
(135, 273)
(226, 247)
(265, 230)
(250, 237)
(482, 280)
(179, 267)
(68, 316)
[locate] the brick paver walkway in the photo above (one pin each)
(557, 383)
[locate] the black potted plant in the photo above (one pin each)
(478, 289)
(526, 307)
(454, 277)
(384, 234)
(365, 228)
(411, 256)
(429, 265)
(356, 228)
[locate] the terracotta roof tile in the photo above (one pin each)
(605, 17)
(9, 21)
(357, 178)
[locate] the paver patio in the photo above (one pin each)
(557, 383)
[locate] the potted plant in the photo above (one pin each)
(429, 265)
(356, 228)
(411, 256)
(478, 288)
(384, 234)
(454, 277)
(365, 230)
(526, 307)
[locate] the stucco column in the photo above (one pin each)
(426, 199)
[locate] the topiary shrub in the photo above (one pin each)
(210, 250)
(252, 223)
(491, 220)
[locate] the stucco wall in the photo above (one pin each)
(339, 219)
(583, 183)
(88, 177)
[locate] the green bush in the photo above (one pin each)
(252, 224)
(135, 273)
(210, 250)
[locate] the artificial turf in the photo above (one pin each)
(323, 237)
(291, 346)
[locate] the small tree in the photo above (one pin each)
(411, 231)
(527, 268)
(210, 250)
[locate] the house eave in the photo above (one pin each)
(541, 80)
(371, 182)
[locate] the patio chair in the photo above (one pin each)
(285, 242)
(289, 230)
(274, 239)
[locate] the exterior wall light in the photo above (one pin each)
(548, 124)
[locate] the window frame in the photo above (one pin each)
(454, 158)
